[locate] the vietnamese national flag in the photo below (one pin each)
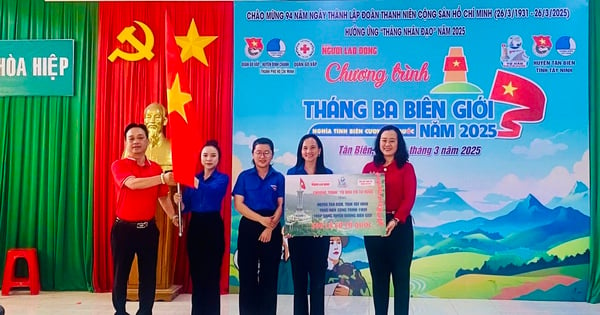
(183, 125)
(516, 90)
(458, 63)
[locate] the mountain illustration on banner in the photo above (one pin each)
(578, 198)
(439, 205)
(455, 75)
(525, 214)
(528, 248)
(529, 224)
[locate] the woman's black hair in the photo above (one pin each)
(401, 155)
(263, 141)
(320, 160)
(213, 143)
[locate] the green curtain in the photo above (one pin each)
(594, 285)
(46, 150)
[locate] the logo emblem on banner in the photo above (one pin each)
(254, 47)
(512, 54)
(542, 45)
(305, 48)
(144, 50)
(565, 46)
(276, 48)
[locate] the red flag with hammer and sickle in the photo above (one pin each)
(131, 74)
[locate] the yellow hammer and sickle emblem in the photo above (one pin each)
(143, 50)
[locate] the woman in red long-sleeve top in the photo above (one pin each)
(392, 253)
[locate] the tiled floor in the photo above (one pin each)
(80, 303)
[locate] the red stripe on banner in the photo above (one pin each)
(529, 98)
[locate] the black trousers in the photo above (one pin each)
(258, 286)
(309, 261)
(127, 240)
(391, 255)
(205, 246)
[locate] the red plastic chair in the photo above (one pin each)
(32, 281)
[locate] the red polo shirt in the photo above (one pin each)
(400, 187)
(136, 204)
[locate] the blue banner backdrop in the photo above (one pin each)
(492, 100)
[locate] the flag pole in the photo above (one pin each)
(179, 221)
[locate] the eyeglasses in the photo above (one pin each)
(263, 153)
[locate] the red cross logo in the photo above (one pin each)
(305, 48)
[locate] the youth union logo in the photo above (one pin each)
(276, 48)
(254, 47)
(541, 45)
(565, 46)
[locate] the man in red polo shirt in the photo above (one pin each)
(139, 183)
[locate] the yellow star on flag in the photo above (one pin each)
(192, 45)
(509, 89)
(456, 63)
(542, 41)
(176, 99)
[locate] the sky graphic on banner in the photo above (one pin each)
(368, 71)
(492, 99)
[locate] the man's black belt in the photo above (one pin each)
(137, 224)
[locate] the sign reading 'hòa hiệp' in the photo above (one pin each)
(36, 67)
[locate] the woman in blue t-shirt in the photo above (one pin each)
(309, 254)
(258, 196)
(206, 238)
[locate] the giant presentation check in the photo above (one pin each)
(339, 204)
